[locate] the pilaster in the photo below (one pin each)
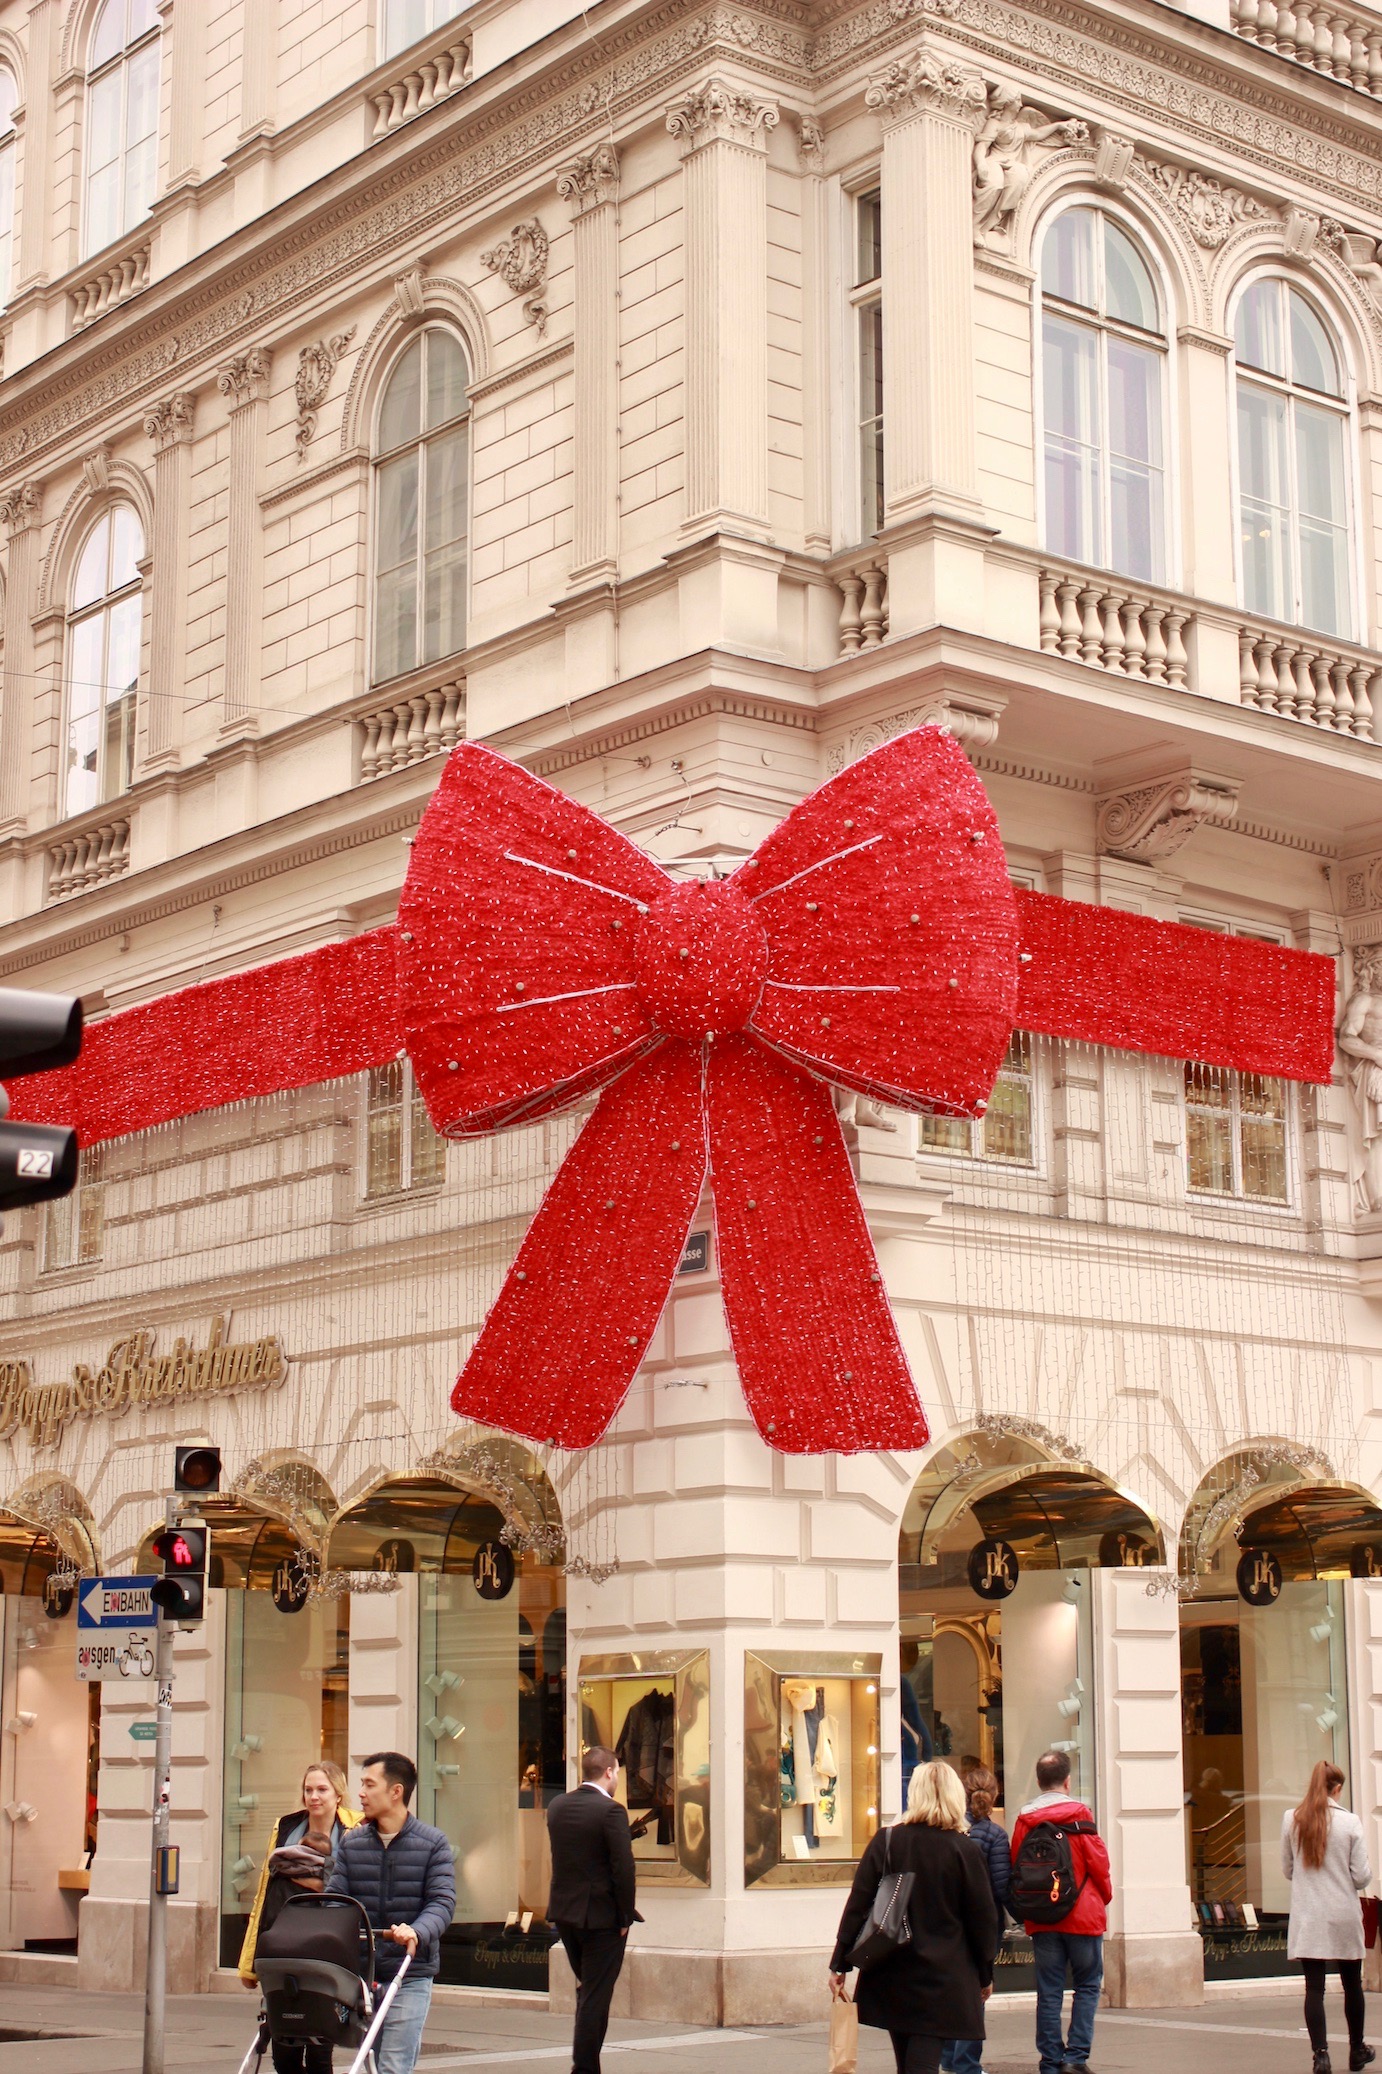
(383, 1670)
(36, 146)
(591, 186)
(244, 383)
(930, 108)
(1207, 556)
(184, 48)
(20, 511)
(169, 426)
(815, 339)
(258, 68)
(723, 133)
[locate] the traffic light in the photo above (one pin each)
(197, 1470)
(38, 1032)
(180, 1593)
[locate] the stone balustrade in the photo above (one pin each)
(1290, 671)
(863, 588)
(115, 284)
(79, 862)
(435, 79)
(1338, 43)
(426, 723)
(1113, 625)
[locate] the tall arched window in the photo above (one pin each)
(1103, 398)
(9, 97)
(103, 642)
(121, 120)
(420, 507)
(408, 21)
(1292, 466)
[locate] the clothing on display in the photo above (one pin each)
(646, 1748)
(809, 1770)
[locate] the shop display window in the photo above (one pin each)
(811, 1767)
(653, 1710)
(47, 1767)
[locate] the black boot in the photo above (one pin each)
(1361, 2056)
(1321, 2064)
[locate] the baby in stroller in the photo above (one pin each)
(315, 1964)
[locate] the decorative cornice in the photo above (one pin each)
(921, 82)
(20, 508)
(591, 180)
(720, 113)
(245, 379)
(169, 422)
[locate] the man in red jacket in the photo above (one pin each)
(1075, 1942)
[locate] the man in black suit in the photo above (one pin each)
(592, 1899)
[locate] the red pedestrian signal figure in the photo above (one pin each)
(180, 1593)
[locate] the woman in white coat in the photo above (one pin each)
(1325, 1859)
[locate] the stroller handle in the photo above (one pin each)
(380, 2013)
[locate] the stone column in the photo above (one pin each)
(245, 385)
(723, 132)
(169, 425)
(930, 108)
(19, 513)
(591, 186)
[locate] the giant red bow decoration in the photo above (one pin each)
(873, 940)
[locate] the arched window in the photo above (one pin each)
(420, 507)
(1292, 467)
(408, 21)
(9, 96)
(1103, 398)
(121, 120)
(103, 642)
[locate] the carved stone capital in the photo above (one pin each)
(96, 470)
(590, 180)
(20, 507)
(245, 379)
(168, 422)
(1300, 230)
(718, 113)
(921, 82)
(1113, 157)
(1148, 824)
(410, 292)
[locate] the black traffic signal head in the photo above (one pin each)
(37, 1031)
(38, 1161)
(197, 1470)
(180, 1593)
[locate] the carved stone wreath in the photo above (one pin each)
(316, 365)
(520, 260)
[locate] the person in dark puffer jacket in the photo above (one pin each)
(965, 2055)
(401, 1872)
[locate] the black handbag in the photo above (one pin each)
(889, 1926)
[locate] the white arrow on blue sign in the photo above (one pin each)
(116, 1602)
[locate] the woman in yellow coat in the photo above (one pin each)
(316, 1829)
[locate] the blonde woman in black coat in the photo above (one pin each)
(935, 1987)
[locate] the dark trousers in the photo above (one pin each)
(596, 1957)
(309, 2057)
(916, 2055)
(1350, 1972)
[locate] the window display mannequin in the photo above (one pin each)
(808, 1763)
(646, 1748)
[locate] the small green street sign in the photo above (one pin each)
(143, 1731)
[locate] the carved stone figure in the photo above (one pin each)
(1360, 1040)
(316, 365)
(1209, 210)
(520, 261)
(1005, 156)
(1359, 253)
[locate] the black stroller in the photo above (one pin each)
(315, 1964)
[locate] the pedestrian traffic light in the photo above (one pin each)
(38, 1032)
(180, 1593)
(197, 1470)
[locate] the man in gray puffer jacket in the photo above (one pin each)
(401, 1872)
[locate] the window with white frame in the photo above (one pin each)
(408, 21)
(1103, 391)
(104, 633)
(1293, 420)
(421, 503)
(74, 1227)
(402, 1150)
(9, 97)
(866, 301)
(1005, 1133)
(1236, 1123)
(121, 143)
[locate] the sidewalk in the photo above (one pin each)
(56, 2031)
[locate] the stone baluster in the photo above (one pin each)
(1342, 696)
(1154, 662)
(1048, 618)
(1303, 671)
(1177, 661)
(1284, 36)
(1134, 640)
(851, 618)
(1247, 669)
(1343, 54)
(873, 611)
(1374, 62)
(369, 748)
(1266, 24)
(1112, 655)
(1364, 685)
(453, 715)
(415, 736)
(1067, 597)
(1091, 632)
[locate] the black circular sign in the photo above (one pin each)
(398, 1557)
(493, 1570)
(290, 1584)
(58, 1599)
(1119, 1550)
(992, 1569)
(1365, 1559)
(1259, 1577)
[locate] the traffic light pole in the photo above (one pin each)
(156, 1977)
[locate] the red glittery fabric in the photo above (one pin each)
(873, 940)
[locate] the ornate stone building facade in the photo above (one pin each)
(683, 399)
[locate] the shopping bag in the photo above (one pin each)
(844, 2037)
(1369, 1905)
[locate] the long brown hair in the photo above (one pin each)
(981, 1790)
(1312, 1816)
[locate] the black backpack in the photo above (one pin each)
(1044, 1888)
